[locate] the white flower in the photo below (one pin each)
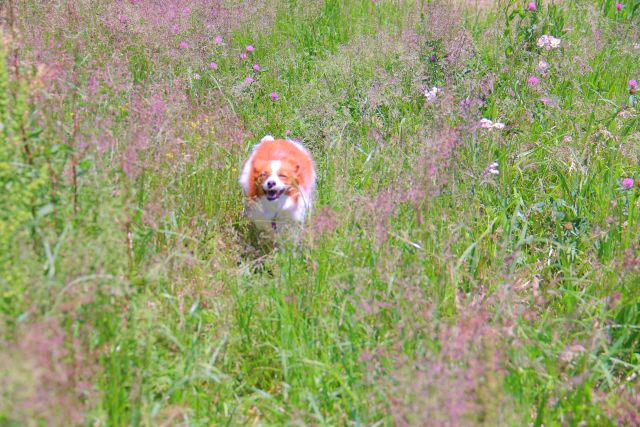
(196, 76)
(488, 124)
(549, 42)
(432, 93)
(492, 169)
(542, 66)
(636, 45)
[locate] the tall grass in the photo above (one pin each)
(451, 274)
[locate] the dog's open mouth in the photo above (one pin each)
(274, 194)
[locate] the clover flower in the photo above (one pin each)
(533, 81)
(627, 183)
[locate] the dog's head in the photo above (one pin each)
(273, 178)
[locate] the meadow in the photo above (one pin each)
(472, 259)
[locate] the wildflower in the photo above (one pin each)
(175, 29)
(432, 93)
(531, 7)
(492, 169)
(636, 45)
(542, 66)
(213, 65)
(633, 83)
(217, 40)
(243, 56)
(184, 45)
(249, 48)
(249, 79)
(256, 67)
(433, 58)
(196, 76)
(549, 42)
(627, 183)
(533, 81)
(619, 6)
(326, 220)
(274, 96)
(488, 124)
(92, 85)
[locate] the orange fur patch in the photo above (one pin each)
(296, 169)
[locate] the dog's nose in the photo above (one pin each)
(270, 184)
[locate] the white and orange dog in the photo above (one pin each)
(278, 180)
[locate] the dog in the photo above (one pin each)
(278, 181)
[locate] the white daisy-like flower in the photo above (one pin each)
(432, 93)
(492, 169)
(488, 124)
(549, 42)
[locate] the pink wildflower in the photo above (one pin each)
(250, 48)
(533, 81)
(489, 124)
(531, 7)
(274, 96)
(627, 183)
(542, 66)
(243, 56)
(633, 83)
(213, 65)
(549, 42)
(249, 79)
(256, 67)
(175, 29)
(619, 6)
(184, 45)
(218, 40)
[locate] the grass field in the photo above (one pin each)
(473, 257)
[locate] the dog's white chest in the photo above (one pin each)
(285, 209)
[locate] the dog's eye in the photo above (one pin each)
(282, 176)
